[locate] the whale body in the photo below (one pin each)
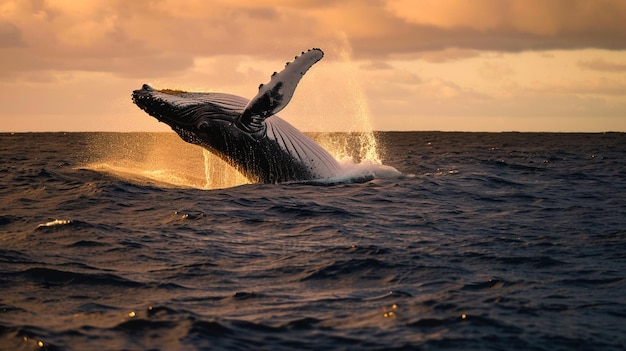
(246, 134)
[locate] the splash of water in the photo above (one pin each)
(160, 158)
(147, 158)
(219, 174)
(359, 144)
(165, 160)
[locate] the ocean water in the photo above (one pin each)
(485, 241)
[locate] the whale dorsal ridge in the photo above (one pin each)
(276, 94)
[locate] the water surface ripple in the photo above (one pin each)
(489, 241)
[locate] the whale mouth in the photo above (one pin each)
(169, 106)
(146, 100)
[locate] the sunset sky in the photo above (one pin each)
(469, 65)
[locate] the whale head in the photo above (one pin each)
(191, 114)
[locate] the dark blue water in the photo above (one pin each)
(487, 242)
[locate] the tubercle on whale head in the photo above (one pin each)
(172, 91)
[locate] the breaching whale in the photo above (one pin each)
(246, 134)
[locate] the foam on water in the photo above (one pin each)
(363, 171)
(56, 222)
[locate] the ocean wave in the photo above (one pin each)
(460, 252)
(53, 277)
(359, 269)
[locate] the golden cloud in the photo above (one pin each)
(122, 36)
(538, 17)
(600, 64)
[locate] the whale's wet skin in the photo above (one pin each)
(247, 134)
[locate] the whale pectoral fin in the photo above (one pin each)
(276, 94)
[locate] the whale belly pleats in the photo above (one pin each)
(321, 164)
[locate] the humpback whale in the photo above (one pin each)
(248, 135)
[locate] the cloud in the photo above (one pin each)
(602, 65)
(496, 71)
(509, 86)
(497, 25)
(589, 87)
(376, 65)
(462, 27)
(10, 36)
(121, 36)
(537, 17)
(124, 37)
(412, 57)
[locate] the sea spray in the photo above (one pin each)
(143, 158)
(219, 174)
(349, 103)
